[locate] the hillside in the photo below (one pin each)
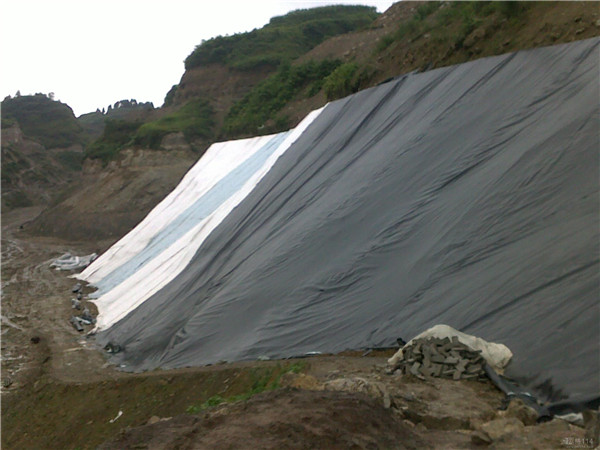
(129, 110)
(408, 36)
(419, 36)
(266, 80)
(222, 96)
(42, 149)
(43, 145)
(49, 122)
(464, 195)
(284, 38)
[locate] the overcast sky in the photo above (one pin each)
(92, 53)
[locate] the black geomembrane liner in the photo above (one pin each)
(466, 195)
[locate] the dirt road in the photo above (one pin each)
(36, 307)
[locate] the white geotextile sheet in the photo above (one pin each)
(219, 160)
(128, 295)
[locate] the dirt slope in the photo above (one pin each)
(292, 419)
(540, 24)
(108, 202)
(33, 174)
(219, 84)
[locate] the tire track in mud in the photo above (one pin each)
(36, 304)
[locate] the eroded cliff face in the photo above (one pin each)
(220, 85)
(107, 201)
(31, 173)
(12, 135)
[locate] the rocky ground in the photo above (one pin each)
(59, 391)
(358, 407)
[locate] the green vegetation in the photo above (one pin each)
(195, 119)
(93, 123)
(414, 27)
(261, 105)
(8, 122)
(453, 22)
(16, 199)
(340, 82)
(284, 38)
(59, 411)
(117, 134)
(12, 165)
(123, 108)
(263, 109)
(170, 97)
(71, 160)
(50, 122)
(263, 379)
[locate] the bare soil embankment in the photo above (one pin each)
(107, 202)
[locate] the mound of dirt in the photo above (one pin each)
(285, 418)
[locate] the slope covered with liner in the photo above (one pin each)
(201, 207)
(170, 249)
(467, 195)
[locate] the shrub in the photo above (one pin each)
(452, 23)
(386, 41)
(171, 95)
(16, 199)
(117, 134)
(510, 9)
(412, 28)
(283, 38)
(425, 9)
(70, 159)
(339, 83)
(195, 119)
(7, 122)
(265, 100)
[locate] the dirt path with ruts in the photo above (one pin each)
(36, 333)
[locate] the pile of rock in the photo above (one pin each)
(84, 318)
(442, 358)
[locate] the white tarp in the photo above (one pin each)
(196, 212)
